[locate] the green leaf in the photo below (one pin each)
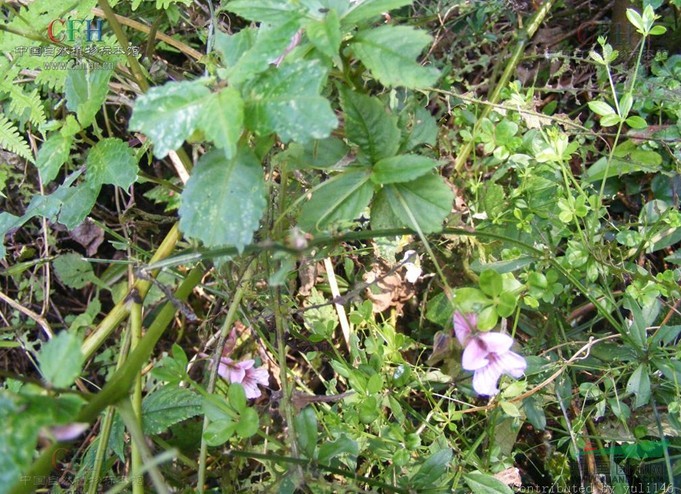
(369, 125)
(389, 53)
(432, 470)
(74, 271)
(76, 202)
(219, 432)
(269, 44)
(601, 108)
(248, 423)
(222, 119)
(168, 406)
(342, 198)
(111, 161)
(535, 413)
(424, 129)
(12, 141)
(305, 423)
(52, 155)
(422, 204)
(237, 397)
(85, 92)
(491, 283)
(639, 385)
(636, 122)
(326, 35)
(169, 114)
(287, 101)
(401, 168)
(341, 446)
(481, 483)
(224, 200)
(610, 120)
(270, 11)
(636, 20)
(320, 154)
(363, 11)
(61, 359)
(657, 30)
(232, 47)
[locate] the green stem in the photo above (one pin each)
(224, 332)
(136, 453)
(523, 38)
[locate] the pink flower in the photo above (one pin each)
(487, 354)
(245, 374)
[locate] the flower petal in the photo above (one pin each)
(475, 355)
(512, 364)
(224, 368)
(485, 380)
(496, 342)
(260, 376)
(463, 325)
(251, 389)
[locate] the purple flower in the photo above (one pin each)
(487, 354)
(245, 374)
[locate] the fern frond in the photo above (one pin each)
(21, 101)
(11, 140)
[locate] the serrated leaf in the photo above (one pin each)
(368, 125)
(168, 114)
(382, 215)
(271, 11)
(485, 484)
(424, 129)
(326, 35)
(269, 44)
(422, 204)
(401, 168)
(320, 154)
(85, 92)
(52, 155)
(61, 359)
(12, 141)
(371, 8)
(73, 270)
(287, 101)
(222, 119)
(389, 52)
(342, 198)
(224, 200)
(111, 161)
(168, 406)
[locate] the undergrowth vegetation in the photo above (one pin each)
(340, 246)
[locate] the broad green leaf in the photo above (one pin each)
(76, 202)
(433, 469)
(248, 423)
(601, 108)
(639, 385)
(222, 119)
(73, 270)
(423, 130)
(270, 11)
(85, 92)
(233, 46)
(169, 114)
(389, 52)
(52, 155)
(326, 35)
(482, 483)
(401, 168)
(535, 413)
(287, 101)
(610, 120)
(491, 283)
(382, 215)
(168, 406)
(342, 198)
(371, 8)
(635, 122)
(111, 161)
(341, 446)
(61, 359)
(369, 125)
(236, 395)
(305, 423)
(270, 43)
(422, 204)
(219, 432)
(224, 200)
(319, 154)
